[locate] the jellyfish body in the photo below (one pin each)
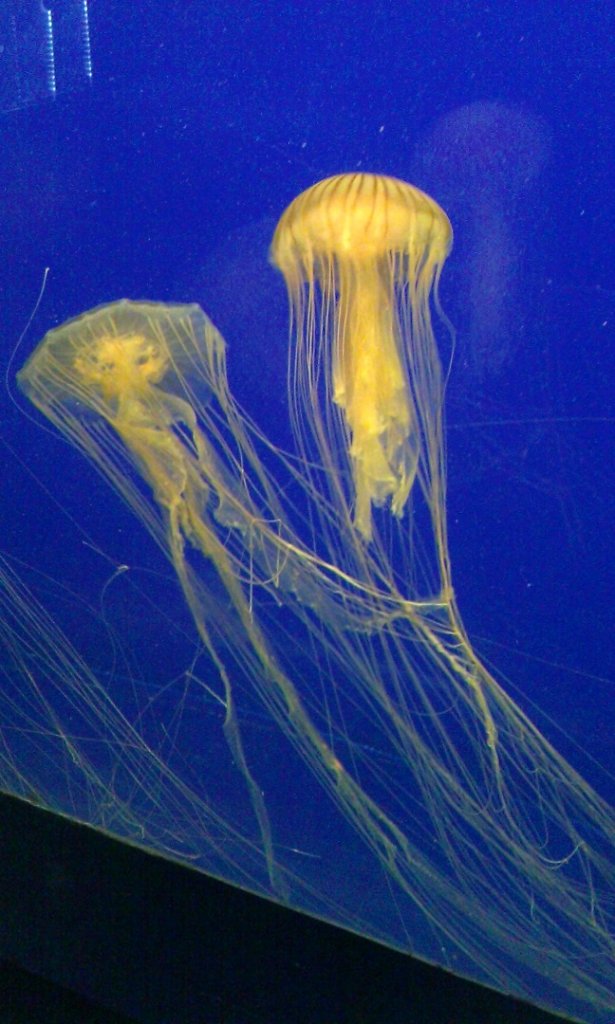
(374, 246)
(127, 363)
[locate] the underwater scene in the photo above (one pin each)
(307, 443)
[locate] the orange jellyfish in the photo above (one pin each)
(363, 238)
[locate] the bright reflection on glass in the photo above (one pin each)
(433, 815)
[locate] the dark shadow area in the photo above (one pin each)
(26, 999)
(150, 939)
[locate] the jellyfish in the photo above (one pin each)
(113, 362)
(486, 160)
(361, 239)
(422, 806)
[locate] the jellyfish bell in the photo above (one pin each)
(123, 363)
(362, 217)
(375, 247)
(119, 350)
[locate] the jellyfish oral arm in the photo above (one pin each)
(370, 387)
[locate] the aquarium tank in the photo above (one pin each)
(307, 439)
